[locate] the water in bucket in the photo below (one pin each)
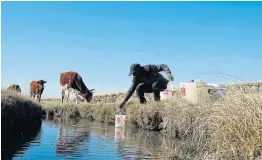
(120, 121)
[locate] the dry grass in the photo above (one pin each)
(230, 128)
(236, 125)
(19, 113)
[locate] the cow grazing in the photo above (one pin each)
(15, 87)
(72, 81)
(37, 89)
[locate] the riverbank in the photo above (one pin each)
(19, 114)
(228, 128)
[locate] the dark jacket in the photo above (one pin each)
(151, 75)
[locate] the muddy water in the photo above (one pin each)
(70, 139)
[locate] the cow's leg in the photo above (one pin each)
(34, 95)
(39, 97)
(76, 95)
(67, 95)
(62, 94)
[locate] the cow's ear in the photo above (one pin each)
(44, 81)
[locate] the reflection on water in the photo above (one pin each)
(11, 144)
(70, 139)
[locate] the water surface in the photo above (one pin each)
(71, 139)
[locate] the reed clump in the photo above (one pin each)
(236, 125)
(230, 128)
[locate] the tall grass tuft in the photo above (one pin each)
(236, 125)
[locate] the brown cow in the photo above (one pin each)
(15, 87)
(36, 89)
(72, 81)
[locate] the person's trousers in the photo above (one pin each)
(155, 88)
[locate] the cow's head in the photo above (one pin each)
(17, 88)
(89, 95)
(42, 82)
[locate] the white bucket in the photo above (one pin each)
(167, 93)
(119, 134)
(120, 121)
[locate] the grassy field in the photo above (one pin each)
(230, 128)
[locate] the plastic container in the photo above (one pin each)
(120, 121)
(119, 134)
(190, 91)
(167, 93)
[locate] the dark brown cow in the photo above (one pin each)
(36, 89)
(15, 87)
(72, 81)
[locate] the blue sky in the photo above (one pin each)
(100, 40)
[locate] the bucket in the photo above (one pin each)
(120, 121)
(119, 134)
(167, 93)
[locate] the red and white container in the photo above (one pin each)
(120, 121)
(167, 93)
(119, 133)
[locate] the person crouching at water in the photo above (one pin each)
(146, 79)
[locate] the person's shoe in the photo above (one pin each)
(142, 101)
(157, 100)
